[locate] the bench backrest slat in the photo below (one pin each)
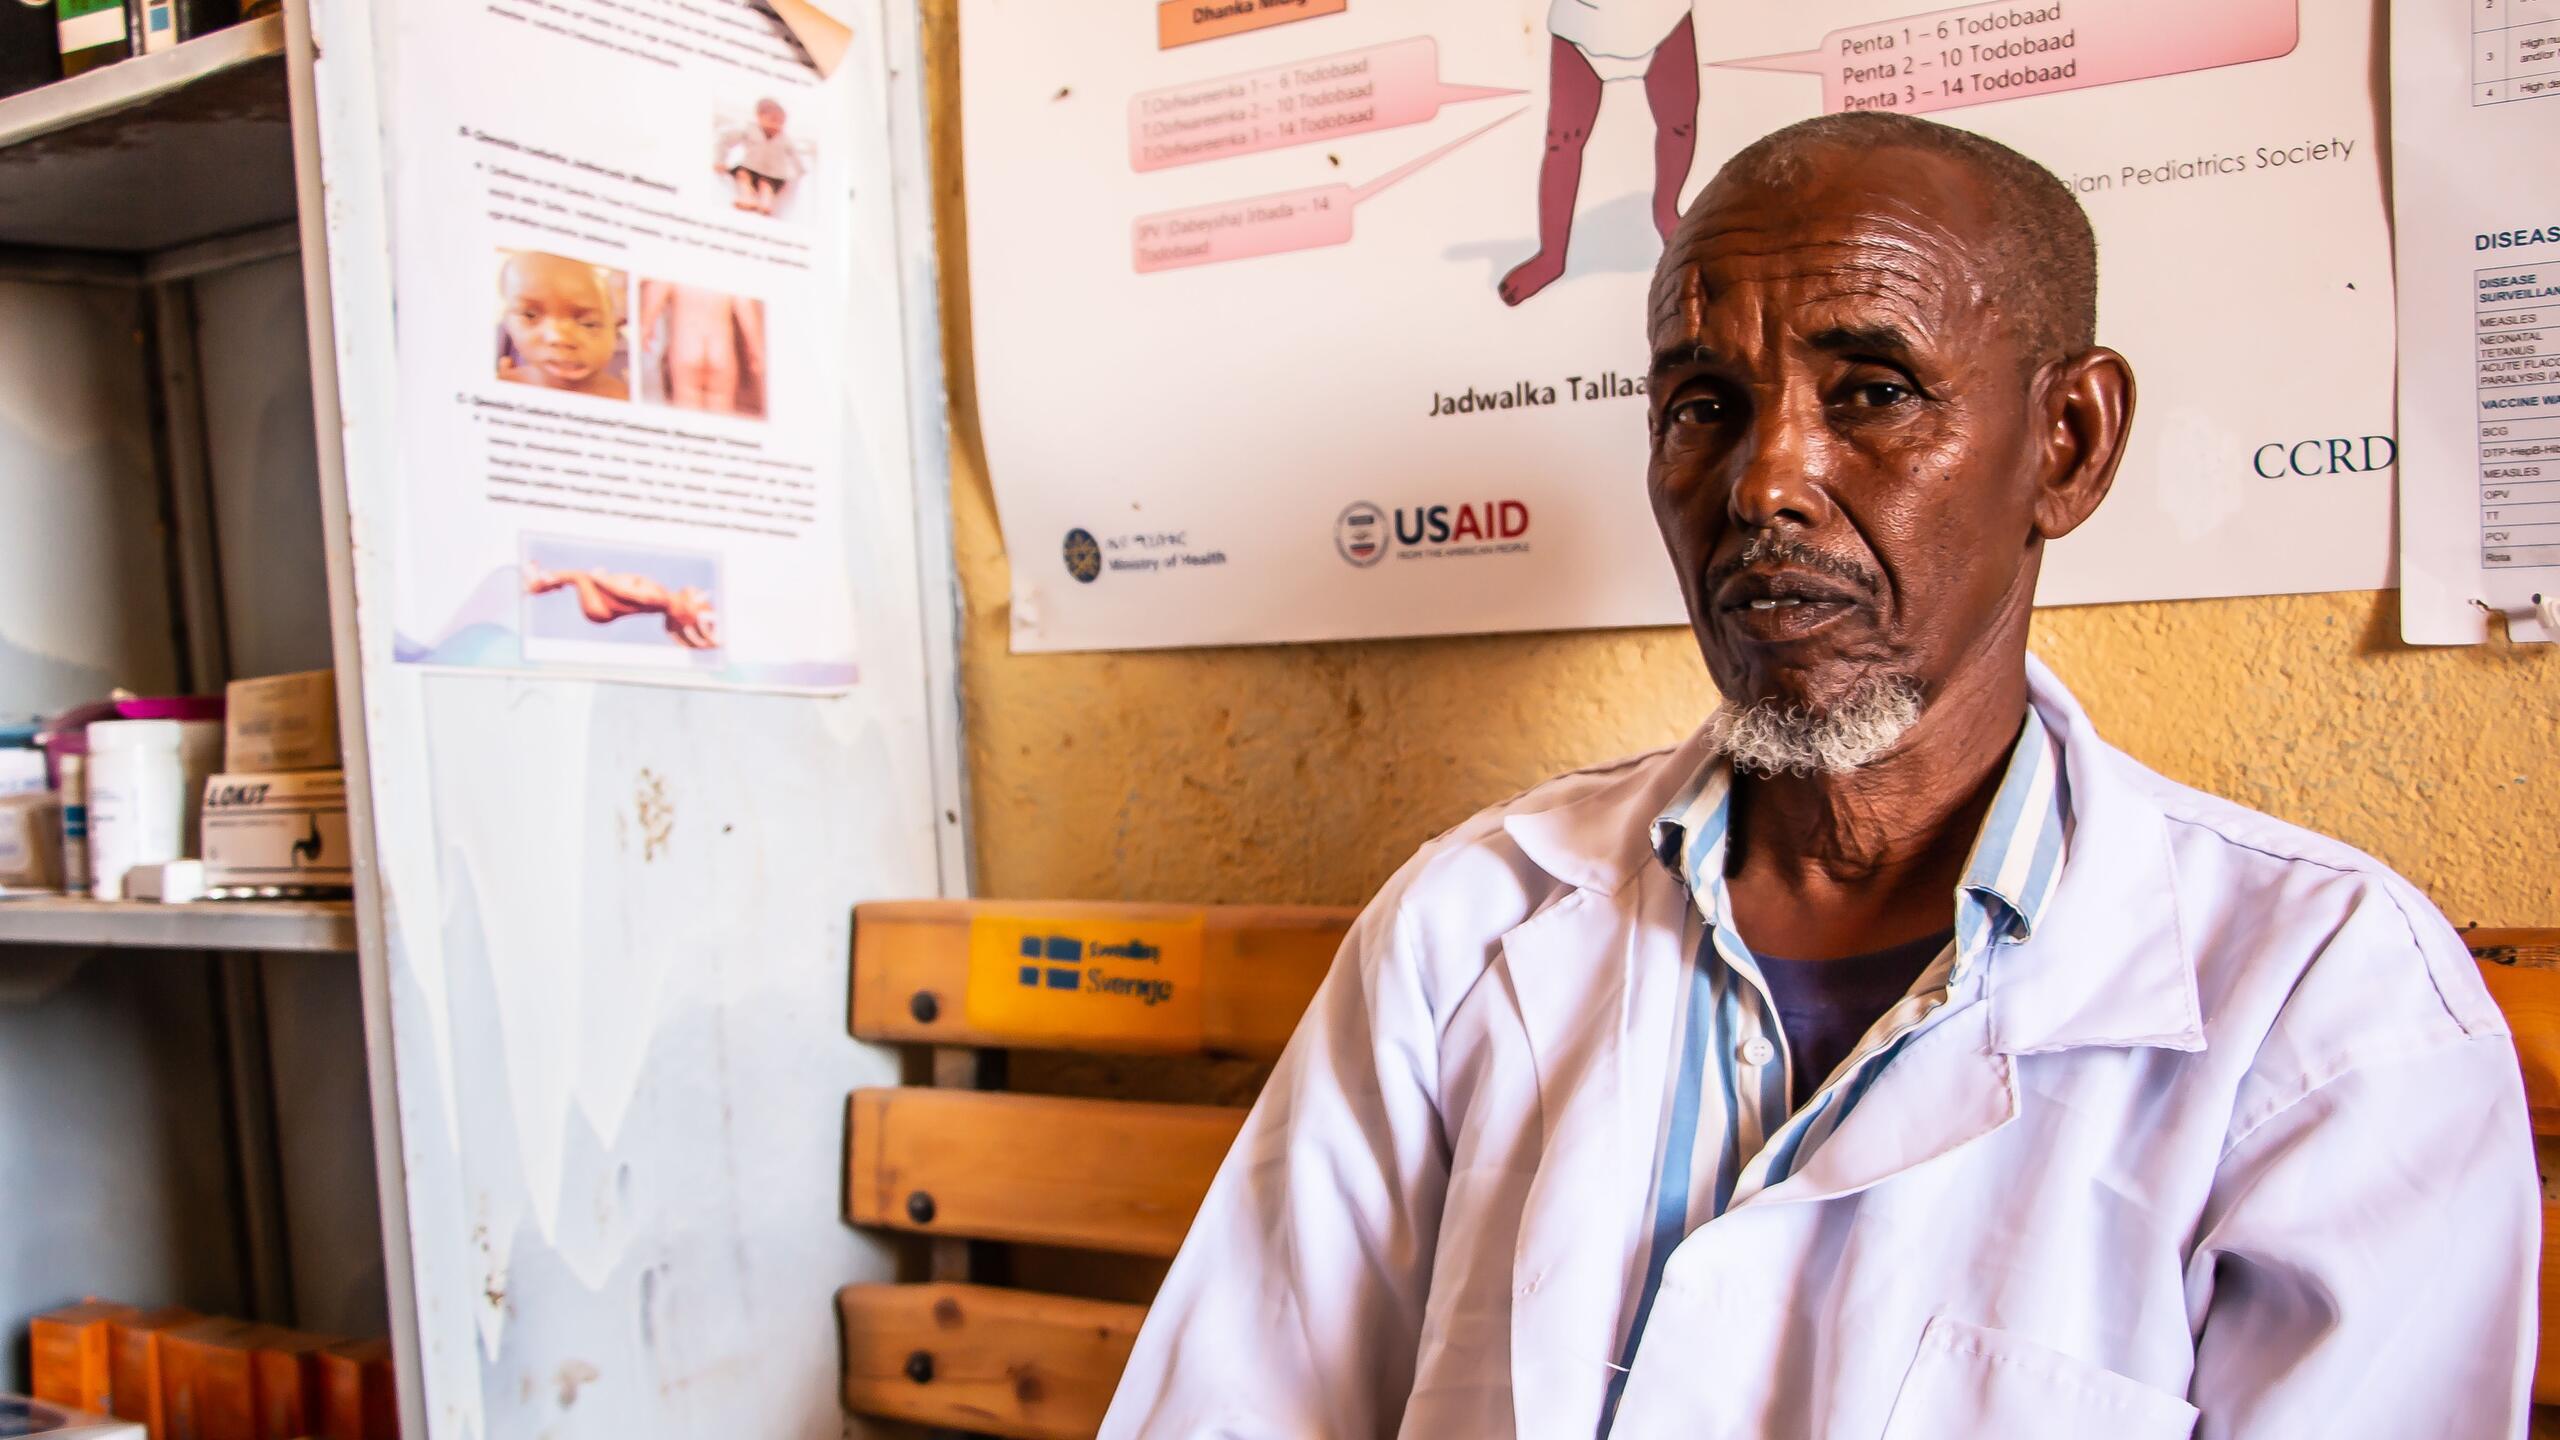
(1065, 975)
(1106, 1175)
(2522, 968)
(971, 1357)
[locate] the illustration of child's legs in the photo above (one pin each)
(767, 192)
(1671, 89)
(746, 189)
(1573, 102)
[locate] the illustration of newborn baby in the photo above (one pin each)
(604, 597)
(563, 323)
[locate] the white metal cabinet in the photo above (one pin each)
(603, 928)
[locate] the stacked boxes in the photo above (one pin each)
(275, 820)
(183, 1376)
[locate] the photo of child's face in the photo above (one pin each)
(562, 321)
(769, 118)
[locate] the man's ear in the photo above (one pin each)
(2084, 410)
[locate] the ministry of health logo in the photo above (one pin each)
(1361, 534)
(1084, 556)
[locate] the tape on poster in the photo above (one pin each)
(1043, 977)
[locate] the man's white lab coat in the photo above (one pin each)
(2234, 1145)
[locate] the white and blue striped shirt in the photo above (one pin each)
(1728, 1130)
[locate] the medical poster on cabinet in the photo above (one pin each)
(1317, 319)
(624, 446)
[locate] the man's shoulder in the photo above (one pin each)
(2261, 847)
(2264, 902)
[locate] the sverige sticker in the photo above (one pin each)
(1044, 977)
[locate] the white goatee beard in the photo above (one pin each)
(1773, 739)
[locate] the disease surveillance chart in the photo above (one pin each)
(1291, 323)
(620, 303)
(2475, 92)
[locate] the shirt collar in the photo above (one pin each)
(2009, 877)
(2112, 961)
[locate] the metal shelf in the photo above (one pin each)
(309, 925)
(154, 152)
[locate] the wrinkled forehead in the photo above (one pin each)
(1898, 239)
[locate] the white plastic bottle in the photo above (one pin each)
(146, 792)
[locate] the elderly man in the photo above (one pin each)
(1893, 1058)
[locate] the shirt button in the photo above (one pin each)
(1758, 1051)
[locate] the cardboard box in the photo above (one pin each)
(208, 1381)
(287, 1366)
(286, 830)
(358, 1400)
(282, 722)
(133, 1366)
(67, 1350)
(30, 843)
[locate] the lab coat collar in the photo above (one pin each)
(2108, 965)
(1598, 836)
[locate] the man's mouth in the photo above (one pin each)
(1785, 605)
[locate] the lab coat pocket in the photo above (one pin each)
(1972, 1383)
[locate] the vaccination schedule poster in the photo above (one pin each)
(621, 279)
(1289, 325)
(2475, 98)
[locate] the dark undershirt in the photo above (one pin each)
(1825, 1006)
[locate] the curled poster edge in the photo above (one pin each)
(822, 27)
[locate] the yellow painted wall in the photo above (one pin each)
(1307, 773)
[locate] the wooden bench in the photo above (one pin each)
(970, 1170)
(973, 1174)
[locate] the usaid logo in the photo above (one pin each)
(1462, 524)
(1360, 534)
(1366, 534)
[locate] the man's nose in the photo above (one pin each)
(1784, 469)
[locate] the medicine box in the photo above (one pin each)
(282, 722)
(283, 831)
(30, 843)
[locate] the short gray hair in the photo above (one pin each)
(2046, 260)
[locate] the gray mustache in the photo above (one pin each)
(1769, 546)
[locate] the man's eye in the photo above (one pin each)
(1697, 410)
(1880, 394)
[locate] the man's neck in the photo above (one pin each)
(1822, 866)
